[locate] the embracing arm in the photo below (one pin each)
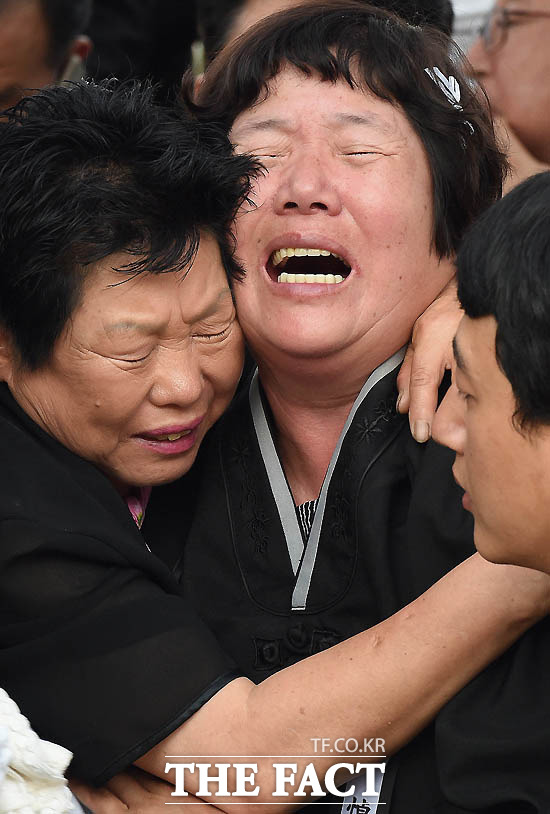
(387, 682)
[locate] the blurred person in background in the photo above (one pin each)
(511, 60)
(220, 21)
(139, 39)
(41, 42)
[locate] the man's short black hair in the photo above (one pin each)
(215, 18)
(504, 272)
(373, 50)
(66, 19)
(90, 170)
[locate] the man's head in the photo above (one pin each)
(220, 21)
(38, 38)
(497, 414)
(511, 59)
(367, 159)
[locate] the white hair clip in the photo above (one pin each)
(450, 88)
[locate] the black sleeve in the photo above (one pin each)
(493, 738)
(99, 655)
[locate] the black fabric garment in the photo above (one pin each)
(393, 525)
(97, 645)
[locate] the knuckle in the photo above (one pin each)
(422, 378)
(403, 378)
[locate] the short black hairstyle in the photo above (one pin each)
(504, 272)
(66, 19)
(372, 49)
(215, 18)
(89, 170)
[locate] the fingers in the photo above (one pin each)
(428, 356)
(403, 378)
(423, 396)
(418, 383)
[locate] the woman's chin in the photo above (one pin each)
(156, 473)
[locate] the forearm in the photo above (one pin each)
(387, 682)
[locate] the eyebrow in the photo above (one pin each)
(262, 124)
(224, 293)
(459, 358)
(367, 119)
(149, 327)
(370, 120)
(130, 325)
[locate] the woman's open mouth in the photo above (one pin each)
(171, 440)
(311, 265)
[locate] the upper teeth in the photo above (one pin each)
(174, 436)
(280, 254)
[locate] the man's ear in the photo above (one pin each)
(6, 355)
(75, 65)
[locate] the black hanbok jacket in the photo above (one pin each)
(98, 647)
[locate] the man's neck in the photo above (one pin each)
(310, 402)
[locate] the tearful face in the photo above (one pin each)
(338, 247)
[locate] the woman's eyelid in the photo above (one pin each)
(217, 328)
(358, 145)
(135, 358)
(214, 335)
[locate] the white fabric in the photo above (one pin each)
(31, 770)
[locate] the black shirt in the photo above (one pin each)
(97, 645)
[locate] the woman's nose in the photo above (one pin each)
(306, 187)
(178, 379)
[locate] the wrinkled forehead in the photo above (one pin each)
(293, 98)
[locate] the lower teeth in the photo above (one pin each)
(310, 278)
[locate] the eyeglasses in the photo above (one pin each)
(494, 31)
